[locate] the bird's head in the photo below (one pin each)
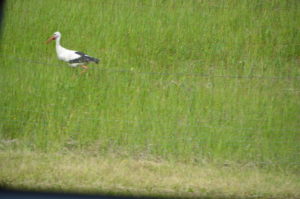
(54, 37)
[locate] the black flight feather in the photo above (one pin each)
(83, 59)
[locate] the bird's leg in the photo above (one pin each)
(85, 68)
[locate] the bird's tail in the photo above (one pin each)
(96, 60)
(92, 59)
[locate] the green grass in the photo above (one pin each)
(184, 81)
(82, 173)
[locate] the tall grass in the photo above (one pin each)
(182, 80)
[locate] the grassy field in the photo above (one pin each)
(79, 173)
(193, 82)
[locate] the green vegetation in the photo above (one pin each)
(78, 172)
(185, 81)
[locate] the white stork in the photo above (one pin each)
(72, 57)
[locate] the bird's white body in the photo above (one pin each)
(72, 57)
(65, 54)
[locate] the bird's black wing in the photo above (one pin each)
(80, 53)
(83, 59)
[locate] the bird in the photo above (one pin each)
(72, 57)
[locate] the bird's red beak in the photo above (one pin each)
(50, 39)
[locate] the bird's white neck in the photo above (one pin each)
(57, 41)
(59, 48)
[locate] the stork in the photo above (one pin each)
(72, 57)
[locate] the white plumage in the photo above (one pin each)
(72, 57)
